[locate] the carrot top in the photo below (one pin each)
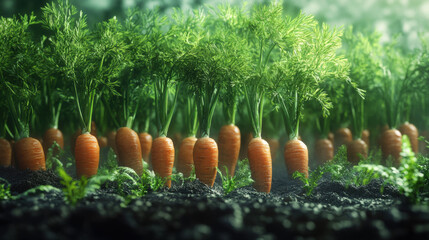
(91, 60)
(18, 80)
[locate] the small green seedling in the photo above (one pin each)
(311, 182)
(5, 190)
(53, 157)
(241, 178)
(75, 190)
(109, 166)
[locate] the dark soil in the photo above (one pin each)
(193, 211)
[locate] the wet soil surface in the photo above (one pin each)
(193, 211)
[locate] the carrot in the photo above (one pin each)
(129, 149)
(296, 157)
(53, 135)
(342, 137)
(391, 145)
(260, 164)
(324, 150)
(87, 155)
(229, 147)
(206, 160)
(185, 160)
(354, 149)
(146, 144)
(365, 137)
(102, 141)
(78, 133)
(111, 140)
(274, 147)
(412, 132)
(163, 158)
(29, 154)
(5, 153)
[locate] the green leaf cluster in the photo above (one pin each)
(241, 178)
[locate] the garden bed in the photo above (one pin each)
(190, 210)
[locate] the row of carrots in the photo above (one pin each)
(131, 148)
(123, 72)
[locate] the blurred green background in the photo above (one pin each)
(390, 17)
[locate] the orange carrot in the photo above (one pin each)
(29, 154)
(206, 160)
(185, 160)
(342, 137)
(87, 155)
(163, 158)
(296, 157)
(261, 165)
(391, 145)
(354, 149)
(102, 141)
(274, 147)
(324, 150)
(365, 137)
(129, 149)
(5, 153)
(146, 144)
(111, 140)
(229, 147)
(413, 134)
(53, 135)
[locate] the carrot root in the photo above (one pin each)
(260, 164)
(29, 154)
(229, 148)
(206, 160)
(5, 153)
(129, 149)
(391, 145)
(87, 155)
(185, 160)
(355, 149)
(163, 158)
(146, 145)
(296, 157)
(324, 150)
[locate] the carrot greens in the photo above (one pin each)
(309, 60)
(18, 80)
(90, 61)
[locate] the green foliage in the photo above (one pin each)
(18, 80)
(75, 190)
(38, 191)
(310, 182)
(241, 178)
(110, 165)
(53, 157)
(5, 190)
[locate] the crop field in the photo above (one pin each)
(225, 121)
